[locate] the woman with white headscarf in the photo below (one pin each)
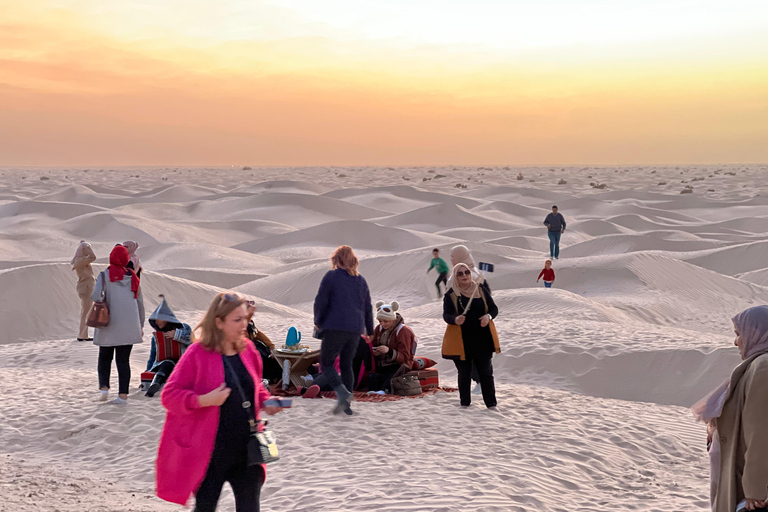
(471, 307)
(81, 264)
(736, 414)
(135, 262)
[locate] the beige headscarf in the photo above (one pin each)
(80, 252)
(132, 246)
(472, 290)
(461, 254)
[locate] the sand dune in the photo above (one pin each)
(594, 376)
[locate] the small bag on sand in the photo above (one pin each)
(405, 384)
(99, 314)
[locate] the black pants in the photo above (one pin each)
(442, 278)
(122, 361)
(485, 373)
(381, 379)
(341, 344)
(246, 482)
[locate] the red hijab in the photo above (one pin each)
(118, 259)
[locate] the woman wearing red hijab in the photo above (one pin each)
(120, 288)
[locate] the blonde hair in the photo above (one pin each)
(211, 336)
(344, 258)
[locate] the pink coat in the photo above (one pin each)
(189, 433)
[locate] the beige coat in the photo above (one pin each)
(743, 434)
(82, 266)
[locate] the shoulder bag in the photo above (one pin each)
(99, 314)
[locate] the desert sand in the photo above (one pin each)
(594, 379)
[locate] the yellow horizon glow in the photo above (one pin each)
(131, 83)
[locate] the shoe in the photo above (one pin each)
(493, 408)
(118, 401)
(88, 339)
(312, 391)
(478, 389)
(348, 410)
(342, 404)
(153, 388)
(465, 406)
(104, 396)
(82, 339)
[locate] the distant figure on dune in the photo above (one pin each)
(470, 307)
(213, 401)
(135, 262)
(736, 414)
(555, 223)
(81, 264)
(171, 339)
(548, 274)
(394, 345)
(122, 292)
(343, 312)
(442, 270)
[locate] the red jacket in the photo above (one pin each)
(548, 273)
(189, 433)
(401, 347)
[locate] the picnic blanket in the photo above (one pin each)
(361, 396)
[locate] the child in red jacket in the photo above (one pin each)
(548, 274)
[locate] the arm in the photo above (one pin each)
(140, 299)
(493, 310)
(368, 309)
(403, 353)
(754, 418)
(86, 258)
(183, 335)
(553, 276)
(562, 220)
(537, 279)
(322, 299)
(431, 265)
(177, 396)
(449, 312)
(264, 339)
(547, 219)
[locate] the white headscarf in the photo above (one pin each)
(461, 254)
(132, 246)
(80, 252)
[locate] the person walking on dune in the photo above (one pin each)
(548, 274)
(442, 270)
(555, 223)
(343, 312)
(86, 281)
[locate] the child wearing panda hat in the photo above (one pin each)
(394, 345)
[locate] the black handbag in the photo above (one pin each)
(262, 445)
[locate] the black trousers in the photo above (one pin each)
(341, 344)
(122, 355)
(246, 482)
(381, 379)
(442, 278)
(484, 366)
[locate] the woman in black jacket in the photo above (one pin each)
(471, 307)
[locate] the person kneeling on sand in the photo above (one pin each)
(394, 345)
(171, 339)
(736, 414)
(548, 274)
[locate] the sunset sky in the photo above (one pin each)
(388, 82)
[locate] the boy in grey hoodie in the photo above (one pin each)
(175, 337)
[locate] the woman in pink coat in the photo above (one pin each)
(205, 436)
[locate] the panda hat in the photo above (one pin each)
(387, 311)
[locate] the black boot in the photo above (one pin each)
(157, 382)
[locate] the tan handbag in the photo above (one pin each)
(406, 385)
(98, 316)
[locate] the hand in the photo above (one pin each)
(380, 350)
(460, 320)
(216, 397)
(272, 410)
(485, 320)
(142, 332)
(537, 280)
(753, 504)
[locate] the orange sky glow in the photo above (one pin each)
(86, 82)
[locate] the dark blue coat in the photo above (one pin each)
(343, 303)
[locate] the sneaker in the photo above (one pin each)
(118, 401)
(478, 389)
(312, 391)
(104, 396)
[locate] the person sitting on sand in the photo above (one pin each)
(555, 223)
(81, 264)
(736, 414)
(135, 262)
(548, 274)
(394, 345)
(442, 270)
(273, 372)
(175, 335)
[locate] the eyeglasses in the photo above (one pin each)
(233, 297)
(462, 273)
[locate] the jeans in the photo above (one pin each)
(484, 366)
(246, 482)
(152, 354)
(554, 243)
(442, 278)
(341, 344)
(547, 284)
(122, 355)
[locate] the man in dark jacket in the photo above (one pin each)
(555, 223)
